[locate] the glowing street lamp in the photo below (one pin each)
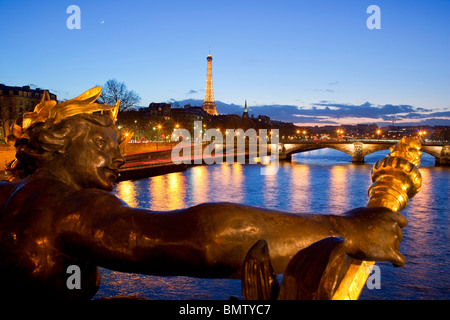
(422, 134)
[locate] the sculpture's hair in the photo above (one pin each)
(45, 143)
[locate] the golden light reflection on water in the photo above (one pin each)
(300, 200)
(126, 190)
(238, 179)
(167, 192)
(338, 189)
(417, 211)
(270, 189)
(176, 190)
(200, 184)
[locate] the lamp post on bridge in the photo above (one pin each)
(422, 134)
(339, 132)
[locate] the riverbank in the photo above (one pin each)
(149, 162)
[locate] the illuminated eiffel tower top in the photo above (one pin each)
(208, 104)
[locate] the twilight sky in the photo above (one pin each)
(307, 62)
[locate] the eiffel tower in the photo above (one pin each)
(208, 104)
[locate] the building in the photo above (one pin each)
(159, 110)
(15, 101)
(189, 114)
(263, 119)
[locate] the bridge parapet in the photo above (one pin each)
(441, 153)
(356, 149)
(359, 149)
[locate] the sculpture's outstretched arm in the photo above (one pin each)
(208, 240)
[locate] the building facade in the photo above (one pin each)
(15, 101)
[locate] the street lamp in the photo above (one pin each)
(422, 134)
(378, 133)
(136, 135)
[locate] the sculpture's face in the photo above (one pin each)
(94, 159)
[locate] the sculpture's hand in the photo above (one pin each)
(374, 234)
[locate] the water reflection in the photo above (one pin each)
(420, 231)
(338, 194)
(300, 200)
(270, 190)
(166, 192)
(237, 183)
(157, 193)
(421, 202)
(199, 184)
(126, 190)
(176, 190)
(227, 183)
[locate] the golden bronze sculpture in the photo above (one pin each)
(60, 212)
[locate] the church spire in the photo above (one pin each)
(245, 114)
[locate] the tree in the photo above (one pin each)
(114, 90)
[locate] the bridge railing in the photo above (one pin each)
(387, 141)
(337, 140)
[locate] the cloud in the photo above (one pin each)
(326, 112)
(324, 90)
(333, 83)
(191, 92)
(334, 113)
(366, 110)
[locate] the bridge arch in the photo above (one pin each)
(359, 149)
(356, 149)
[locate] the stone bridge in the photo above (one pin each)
(359, 149)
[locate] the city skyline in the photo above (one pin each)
(303, 62)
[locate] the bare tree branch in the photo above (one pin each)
(114, 90)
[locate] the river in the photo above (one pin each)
(320, 181)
